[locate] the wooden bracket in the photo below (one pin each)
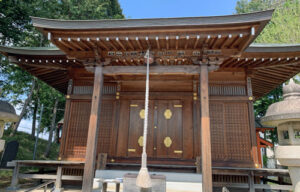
(90, 64)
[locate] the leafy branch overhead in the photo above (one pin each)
(16, 30)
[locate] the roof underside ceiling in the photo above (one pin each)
(268, 69)
(225, 35)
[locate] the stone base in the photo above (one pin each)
(295, 176)
(58, 190)
(158, 183)
(12, 189)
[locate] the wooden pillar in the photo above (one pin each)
(66, 121)
(58, 180)
(252, 123)
(205, 131)
(91, 147)
(15, 178)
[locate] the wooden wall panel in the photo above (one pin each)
(77, 130)
(237, 131)
(230, 132)
(188, 136)
(218, 131)
(106, 123)
(122, 141)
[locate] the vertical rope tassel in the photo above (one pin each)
(143, 179)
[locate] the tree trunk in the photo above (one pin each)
(47, 152)
(34, 120)
(23, 112)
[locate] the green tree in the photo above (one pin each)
(284, 27)
(16, 30)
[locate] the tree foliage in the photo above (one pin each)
(286, 16)
(16, 30)
(284, 27)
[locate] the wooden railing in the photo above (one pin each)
(252, 173)
(43, 185)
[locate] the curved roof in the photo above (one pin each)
(273, 48)
(156, 22)
(31, 50)
(52, 51)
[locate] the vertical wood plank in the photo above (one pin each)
(198, 164)
(155, 121)
(116, 117)
(205, 131)
(94, 124)
(252, 122)
(122, 133)
(195, 120)
(66, 121)
(188, 140)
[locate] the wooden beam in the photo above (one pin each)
(94, 124)
(183, 69)
(196, 42)
(138, 43)
(205, 131)
(129, 43)
(252, 123)
(120, 43)
(157, 42)
(67, 113)
(58, 179)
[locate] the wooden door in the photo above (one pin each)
(136, 127)
(169, 143)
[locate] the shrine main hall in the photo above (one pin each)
(206, 74)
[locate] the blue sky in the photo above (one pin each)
(136, 9)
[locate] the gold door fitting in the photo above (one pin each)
(178, 151)
(168, 142)
(131, 150)
(142, 114)
(140, 141)
(168, 114)
(178, 106)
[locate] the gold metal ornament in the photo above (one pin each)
(178, 106)
(168, 114)
(140, 141)
(168, 141)
(142, 114)
(178, 151)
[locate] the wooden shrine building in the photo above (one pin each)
(205, 77)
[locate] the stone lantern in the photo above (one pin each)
(7, 114)
(285, 115)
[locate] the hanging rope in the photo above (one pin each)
(143, 180)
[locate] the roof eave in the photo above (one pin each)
(44, 23)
